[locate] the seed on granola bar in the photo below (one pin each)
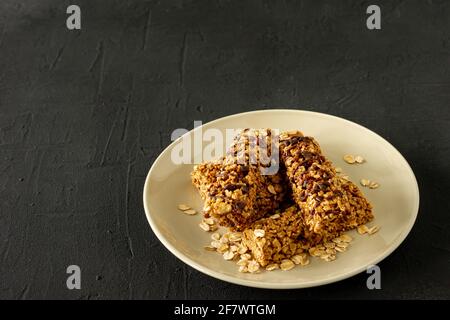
(342, 245)
(272, 267)
(242, 248)
(243, 269)
(271, 189)
(253, 266)
(216, 244)
(259, 233)
(340, 249)
(275, 216)
(223, 208)
(224, 239)
(204, 226)
(296, 259)
(299, 258)
(215, 236)
(328, 257)
(242, 262)
(223, 247)
(228, 255)
(183, 207)
(314, 252)
(235, 236)
(329, 244)
(299, 251)
(287, 264)
(246, 256)
(286, 134)
(209, 221)
(346, 238)
(349, 159)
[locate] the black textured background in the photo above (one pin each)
(83, 114)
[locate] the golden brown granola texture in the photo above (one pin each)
(233, 188)
(329, 204)
(304, 204)
(280, 239)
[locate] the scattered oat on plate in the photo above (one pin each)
(368, 183)
(351, 159)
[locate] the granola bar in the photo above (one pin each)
(235, 189)
(329, 204)
(275, 238)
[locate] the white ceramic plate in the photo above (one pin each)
(395, 202)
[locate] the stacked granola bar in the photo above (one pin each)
(235, 189)
(284, 199)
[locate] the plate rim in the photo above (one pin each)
(256, 283)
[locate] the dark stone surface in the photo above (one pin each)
(83, 114)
